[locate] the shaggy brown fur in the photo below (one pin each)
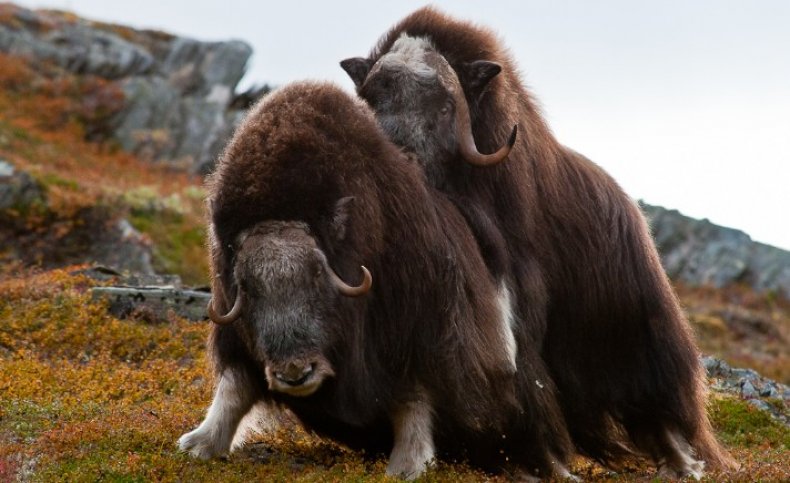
(430, 324)
(591, 290)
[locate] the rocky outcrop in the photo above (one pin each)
(697, 252)
(180, 107)
(146, 297)
(178, 91)
(18, 190)
(93, 234)
(153, 302)
(760, 392)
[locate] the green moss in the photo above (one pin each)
(9, 132)
(50, 179)
(179, 239)
(179, 243)
(87, 397)
(740, 424)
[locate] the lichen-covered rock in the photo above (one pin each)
(92, 234)
(122, 247)
(76, 46)
(154, 302)
(148, 126)
(17, 188)
(199, 68)
(697, 252)
(178, 91)
(759, 391)
(84, 50)
(160, 125)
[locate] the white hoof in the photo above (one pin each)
(670, 472)
(407, 470)
(201, 444)
(413, 451)
(679, 462)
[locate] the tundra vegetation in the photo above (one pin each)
(85, 396)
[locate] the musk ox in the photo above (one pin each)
(555, 229)
(412, 355)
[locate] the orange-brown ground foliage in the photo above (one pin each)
(87, 397)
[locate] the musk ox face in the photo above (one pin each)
(421, 106)
(410, 88)
(289, 295)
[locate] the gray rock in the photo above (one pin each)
(746, 374)
(199, 67)
(760, 404)
(146, 126)
(88, 51)
(203, 125)
(123, 248)
(94, 235)
(78, 48)
(698, 252)
(770, 390)
(178, 90)
(159, 125)
(748, 391)
(770, 268)
(103, 273)
(17, 188)
(751, 386)
(715, 367)
(154, 302)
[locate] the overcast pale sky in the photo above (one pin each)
(685, 103)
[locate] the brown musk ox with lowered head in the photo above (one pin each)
(558, 232)
(412, 355)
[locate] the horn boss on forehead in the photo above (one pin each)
(406, 87)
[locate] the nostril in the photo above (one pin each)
(294, 375)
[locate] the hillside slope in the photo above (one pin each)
(86, 395)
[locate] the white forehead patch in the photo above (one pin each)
(409, 52)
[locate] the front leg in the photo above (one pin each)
(413, 449)
(234, 397)
(676, 460)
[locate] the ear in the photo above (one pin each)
(340, 217)
(357, 68)
(476, 75)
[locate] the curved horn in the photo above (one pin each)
(234, 313)
(342, 286)
(466, 141)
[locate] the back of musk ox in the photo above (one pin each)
(412, 354)
(558, 233)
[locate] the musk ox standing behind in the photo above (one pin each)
(559, 232)
(411, 357)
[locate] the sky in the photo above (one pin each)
(685, 103)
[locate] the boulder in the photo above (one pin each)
(160, 125)
(199, 68)
(93, 234)
(76, 46)
(18, 189)
(697, 252)
(760, 392)
(84, 50)
(123, 247)
(178, 91)
(153, 303)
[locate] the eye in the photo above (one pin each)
(446, 108)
